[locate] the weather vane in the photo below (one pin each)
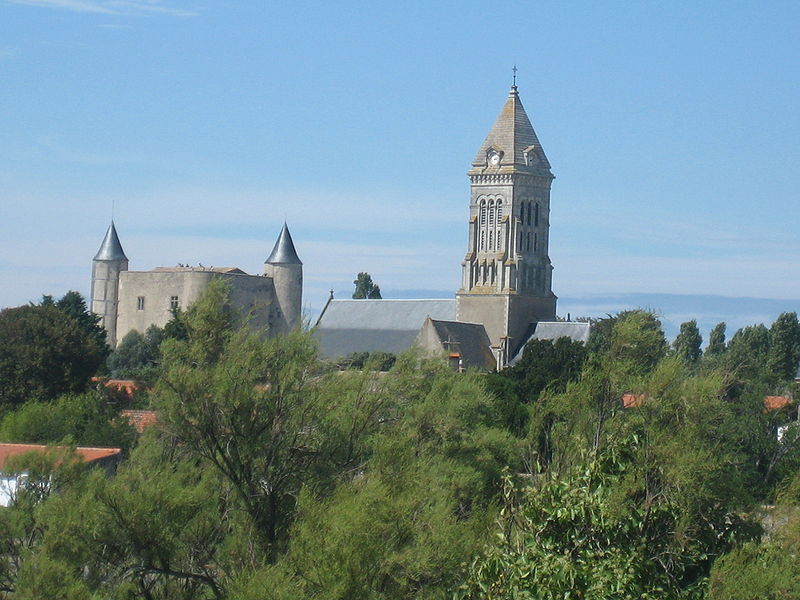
(515, 75)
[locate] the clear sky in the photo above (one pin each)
(672, 129)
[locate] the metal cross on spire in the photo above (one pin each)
(514, 69)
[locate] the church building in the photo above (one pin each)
(134, 300)
(506, 291)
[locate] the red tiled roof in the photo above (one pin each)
(140, 419)
(86, 454)
(776, 402)
(632, 400)
(129, 386)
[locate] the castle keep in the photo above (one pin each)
(134, 300)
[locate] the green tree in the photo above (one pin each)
(687, 343)
(136, 353)
(83, 420)
(74, 304)
(716, 340)
(747, 352)
(247, 406)
(420, 501)
(547, 363)
(366, 288)
(44, 353)
(156, 530)
(635, 336)
(176, 326)
(764, 569)
(783, 357)
(632, 503)
(38, 475)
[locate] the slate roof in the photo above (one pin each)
(553, 330)
(469, 340)
(283, 253)
(349, 326)
(110, 249)
(512, 133)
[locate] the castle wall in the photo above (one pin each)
(145, 297)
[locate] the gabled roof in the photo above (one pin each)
(283, 253)
(86, 455)
(468, 341)
(513, 135)
(110, 249)
(349, 326)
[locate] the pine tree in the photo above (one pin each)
(687, 344)
(784, 346)
(716, 340)
(366, 288)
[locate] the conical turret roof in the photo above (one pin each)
(111, 249)
(284, 253)
(512, 135)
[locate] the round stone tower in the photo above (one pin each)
(286, 271)
(109, 261)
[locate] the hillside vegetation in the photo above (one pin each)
(274, 475)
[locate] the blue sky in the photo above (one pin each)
(672, 129)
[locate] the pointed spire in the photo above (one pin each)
(512, 136)
(284, 253)
(111, 249)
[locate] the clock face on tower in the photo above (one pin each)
(493, 157)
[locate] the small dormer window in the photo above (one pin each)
(531, 158)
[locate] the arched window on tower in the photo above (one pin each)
(482, 224)
(499, 221)
(491, 213)
(535, 242)
(536, 216)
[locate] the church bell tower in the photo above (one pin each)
(507, 275)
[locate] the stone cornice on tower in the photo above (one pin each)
(512, 137)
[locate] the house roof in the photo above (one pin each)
(140, 419)
(87, 455)
(349, 326)
(283, 253)
(632, 400)
(128, 386)
(110, 248)
(577, 331)
(468, 341)
(776, 402)
(513, 135)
